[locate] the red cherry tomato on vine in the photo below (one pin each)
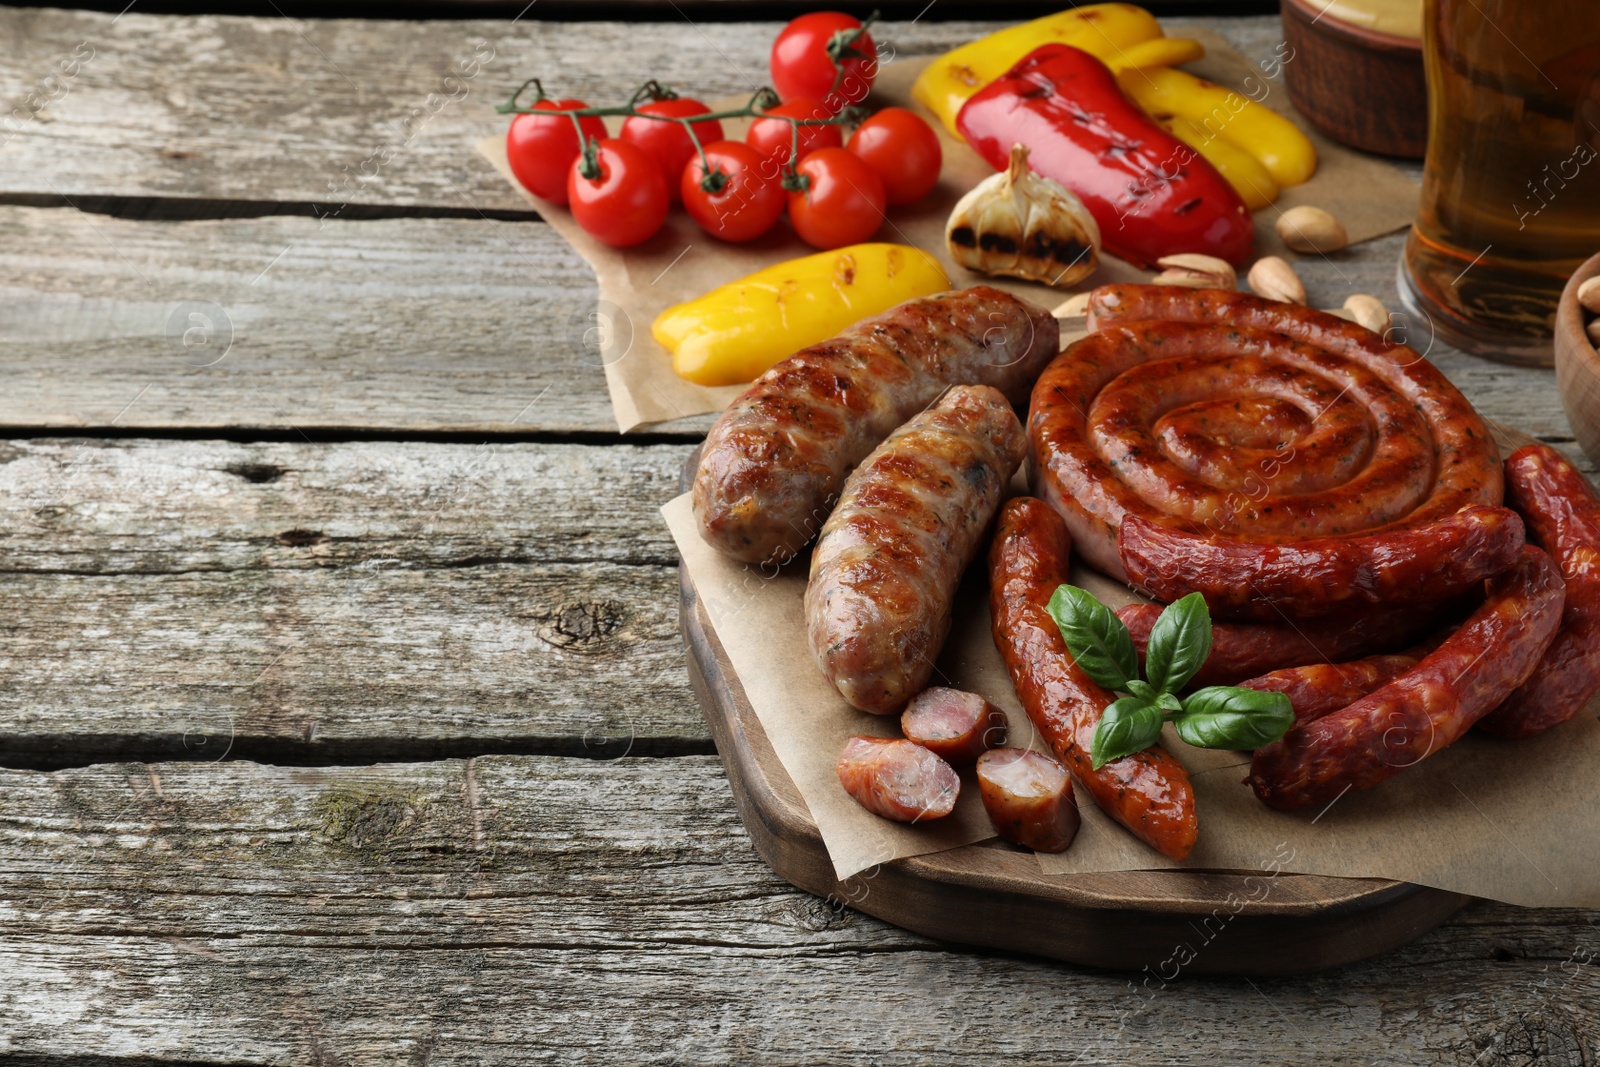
(669, 142)
(541, 148)
(772, 138)
(624, 204)
(748, 203)
(803, 67)
(842, 203)
(904, 151)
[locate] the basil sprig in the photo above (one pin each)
(1218, 716)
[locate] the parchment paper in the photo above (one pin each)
(1369, 196)
(1507, 820)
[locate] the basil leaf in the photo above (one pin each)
(1168, 702)
(1127, 726)
(1096, 638)
(1142, 690)
(1180, 641)
(1223, 716)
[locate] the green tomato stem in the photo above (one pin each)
(589, 165)
(511, 105)
(842, 44)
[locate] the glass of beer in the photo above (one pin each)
(1511, 187)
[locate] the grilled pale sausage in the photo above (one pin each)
(885, 570)
(773, 465)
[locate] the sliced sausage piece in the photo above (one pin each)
(1426, 708)
(910, 519)
(1398, 569)
(1555, 498)
(957, 727)
(1149, 792)
(1029, 798)
(1242, 650)
(1319, 688)
(774, 463)
(898, 779)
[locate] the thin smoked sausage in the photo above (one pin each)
(1556, 499)
(1242, 650)
(1427, 707)
(1319, 688)
(1029, 798)
(1148, 792)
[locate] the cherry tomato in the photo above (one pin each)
(669, 142)
(842, 203)
(771, 137)
(627, 202)
(749, 202)
(802, 66)
(541, 148)
(904, 151)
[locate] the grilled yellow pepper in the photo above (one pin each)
(1249, 178)
(1156, 52)
(1227, 115)
(1121, 36)
(735, 332)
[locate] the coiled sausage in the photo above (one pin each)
(1223, 416)
(1419, 567)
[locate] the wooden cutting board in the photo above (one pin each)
(994, 895)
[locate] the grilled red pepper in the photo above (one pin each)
(1152, 194)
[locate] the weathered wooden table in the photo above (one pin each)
(343, 699)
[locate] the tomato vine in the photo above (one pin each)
(759, 106)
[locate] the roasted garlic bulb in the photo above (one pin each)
(1025, 226)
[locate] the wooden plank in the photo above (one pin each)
(341, 601)
(397, 325)
(338, 602)
(404, 325)
(578, 911)
(670, 10)
(168, 507)
(335, 112)
(344, 665)
(108, 507)
(414, 324)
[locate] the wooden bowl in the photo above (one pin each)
(1578, 364)
(1361, 87)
